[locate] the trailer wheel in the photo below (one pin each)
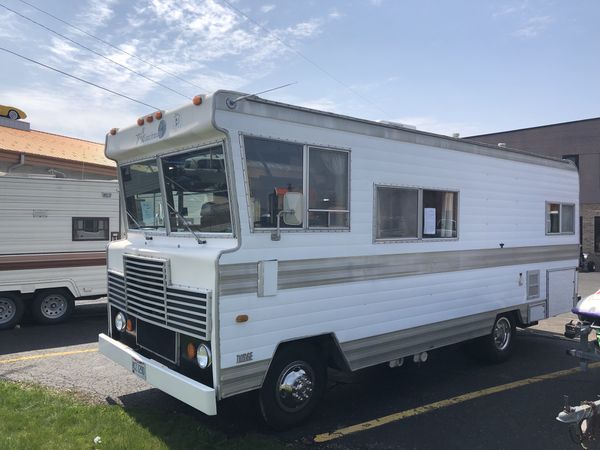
(13, 115)
(497, 346)
(293, 386)
(11, 310)
(54, 306)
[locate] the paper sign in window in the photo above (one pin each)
(429, 221)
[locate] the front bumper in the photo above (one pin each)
(181, 387)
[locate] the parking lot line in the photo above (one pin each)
(47, 355)
(444, 403)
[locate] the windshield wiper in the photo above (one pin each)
(146, 236)
(187, 224)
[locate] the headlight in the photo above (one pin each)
(120, 322)
(203, 356)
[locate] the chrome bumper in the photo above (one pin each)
(181, 387)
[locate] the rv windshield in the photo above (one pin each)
(196, 188)
(143, 202)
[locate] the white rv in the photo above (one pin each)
(53, 237)
(268, 241)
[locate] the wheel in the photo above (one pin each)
(293, 386)
(497, 346)
(11, 310)
(52, 306)
(13, 115)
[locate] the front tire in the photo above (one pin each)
(497, 346)
(51, 307)
(293, 386)
(11, 310)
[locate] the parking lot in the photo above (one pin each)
(451, 401)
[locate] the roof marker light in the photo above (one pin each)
(113, 131)
(140, 121)
(149, 118)
(197, 100)
(158, 115)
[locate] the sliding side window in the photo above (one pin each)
(560, 218)
(412, 213)
(274, 168)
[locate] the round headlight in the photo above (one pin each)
(120, 322)
(203, 356)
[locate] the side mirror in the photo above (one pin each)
(292, 208)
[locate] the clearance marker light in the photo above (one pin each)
(158, 115)
(149, 118)
(197, 100)
(241, 318)
(113, 131)
(140, 121)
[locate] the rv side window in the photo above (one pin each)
(439, 214)
(397, 213)
(560, 218)
(327, 188)
(412, 213)
(274, 168)
(90, 228)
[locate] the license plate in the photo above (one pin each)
(139, 368)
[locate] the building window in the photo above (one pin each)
(412, 213)
(90, 228)
(560, 218)
(321, 175)
(574, 158)
(597, 234)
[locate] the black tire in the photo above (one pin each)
(13, 115)
(497, 346)
(306, 374)
(52, 306)
(11, 310)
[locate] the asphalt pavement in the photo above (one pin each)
(452, 401)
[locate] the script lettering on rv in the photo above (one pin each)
(244, 357)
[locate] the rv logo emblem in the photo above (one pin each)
(244, 357)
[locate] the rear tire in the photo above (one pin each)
(293, 386)
(497, 346)
(11, 310)
(13, 115)
(53, 306)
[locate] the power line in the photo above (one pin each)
(301, 55)
(94, 51)
(174, 75)
(77, 78)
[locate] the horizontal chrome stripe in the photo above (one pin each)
(243, 278)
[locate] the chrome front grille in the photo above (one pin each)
(145, 292)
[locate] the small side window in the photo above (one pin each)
(397, 213)
(439, 214)
(533, 284)
(90, 228)
(560, 218)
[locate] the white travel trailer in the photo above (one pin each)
(53, 237)
(268, 241)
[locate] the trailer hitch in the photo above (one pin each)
(583, 421)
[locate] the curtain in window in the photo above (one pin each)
(448, 220)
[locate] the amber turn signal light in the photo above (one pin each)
(190, 350)
(129, 325)
(241, 318)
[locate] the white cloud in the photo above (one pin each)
(534, 26)
(267, 8)
(507, 10)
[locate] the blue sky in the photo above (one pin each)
(462, 66)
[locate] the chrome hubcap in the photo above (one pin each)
(502, 333)
(7, 310)
(53, 306)
(295, 386)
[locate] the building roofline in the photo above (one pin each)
(533, 128)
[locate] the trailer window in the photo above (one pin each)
(397, 213)
(90, 228)
(560, 218)
(328, 188)
(274, 168)
(196, 189)
(141, 190)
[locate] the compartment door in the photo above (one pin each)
(561, 290)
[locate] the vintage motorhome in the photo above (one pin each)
(268, 241)
(53, 237)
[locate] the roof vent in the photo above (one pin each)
(16, 124)
(398, 124)
(502, 144)
(456, 135)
